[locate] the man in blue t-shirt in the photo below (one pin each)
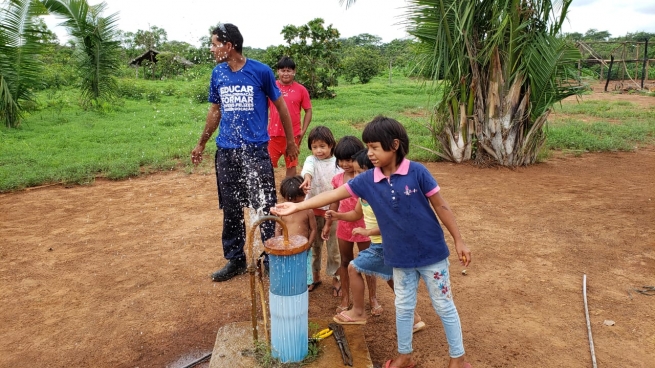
(239, 91)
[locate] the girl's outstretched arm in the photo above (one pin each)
(323, 199)
(446, 216)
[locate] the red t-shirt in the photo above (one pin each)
(296, 97)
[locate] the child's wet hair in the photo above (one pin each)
(362, 159)
(347, 147)
(385, 130)
(321, 133)
(290, 187)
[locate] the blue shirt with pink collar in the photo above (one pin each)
(411, 233)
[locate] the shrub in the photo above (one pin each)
(363, 64)
(130, 90)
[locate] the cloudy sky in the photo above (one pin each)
(261, 21)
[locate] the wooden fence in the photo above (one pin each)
(620, 57)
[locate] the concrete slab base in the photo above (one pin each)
(234, 346)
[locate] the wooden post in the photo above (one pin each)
(609, 72)
(637, 58)
(624, 69)
(644, 68)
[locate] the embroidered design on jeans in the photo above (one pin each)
(409, 191)
(444, 285)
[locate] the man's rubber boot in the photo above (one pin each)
(231, 269)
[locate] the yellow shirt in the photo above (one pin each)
(370, 221)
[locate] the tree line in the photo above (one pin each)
(98, 53)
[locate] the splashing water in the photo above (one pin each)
(251, 215)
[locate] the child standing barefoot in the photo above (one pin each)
(403, 195)
(344, 151)
(317, 173)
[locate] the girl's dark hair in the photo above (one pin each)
(290, 187)
(385, 130)
(347, 147)
(285, 62)
(321, 133)
(362, 159)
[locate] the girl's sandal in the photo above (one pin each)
(377, 311)
(341, 308)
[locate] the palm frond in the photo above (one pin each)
(549, 63)
(501, 68)
(98, 49)
(20, 67)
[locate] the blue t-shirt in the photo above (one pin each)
(243, 96)
(411, 233)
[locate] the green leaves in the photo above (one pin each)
(501, 63)
(549, 64)
(315, 49)
(20, 66)
(363, 64)
(97, 46)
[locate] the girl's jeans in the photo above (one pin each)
(437, 280)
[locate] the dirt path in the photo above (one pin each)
(116, 274)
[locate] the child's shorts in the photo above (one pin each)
(370, 261)
(277, 147)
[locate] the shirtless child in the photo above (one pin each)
(300, 223)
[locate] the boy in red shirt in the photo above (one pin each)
(297, 99)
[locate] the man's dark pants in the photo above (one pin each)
(245, 178)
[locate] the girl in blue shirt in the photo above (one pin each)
(403, 195)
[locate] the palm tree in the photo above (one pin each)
(501, 68)
(20, 68)
(97, 45)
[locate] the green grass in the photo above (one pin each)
(157, 123)
(155, 126)
(600, 136)
(71, 145)
(594, 126)
(611, 110)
